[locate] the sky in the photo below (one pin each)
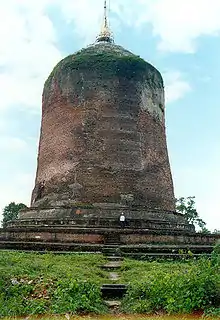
(180, 38)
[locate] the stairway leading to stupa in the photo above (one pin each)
(112, 238)
(113, 292)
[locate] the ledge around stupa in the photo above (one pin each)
(97, 228)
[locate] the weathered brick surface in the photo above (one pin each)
(79, 238)
(167, 238)
(103, 137)
(57, 235)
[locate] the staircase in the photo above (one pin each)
(112, 238)
(113, 292)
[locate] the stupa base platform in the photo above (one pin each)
(127, 242)
(97, 229)
(138, 251)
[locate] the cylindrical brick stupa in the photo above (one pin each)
(102, 152)
(103, 132)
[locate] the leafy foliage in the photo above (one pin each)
(70, 283)
(213, 312)
(77, 297)
(10, 212)
(186, 206)
(38, 284)
(181, 288)
(26, 297)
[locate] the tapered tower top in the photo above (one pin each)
(105, 34)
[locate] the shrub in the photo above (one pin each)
(77, 297)
(18, 298)
(176, 291)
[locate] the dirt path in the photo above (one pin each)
(195, 316)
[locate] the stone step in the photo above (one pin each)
(113, 290)
(157, 255)
(113, 306)
(114, 258)
(114, 242)
(134, 251)
(112, 238)
(113, 276)
(95, 222)
(113, 303)
(111, 250)
(112, 265)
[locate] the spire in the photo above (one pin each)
(105, 34)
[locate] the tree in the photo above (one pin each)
(10, 212)
(186, 206)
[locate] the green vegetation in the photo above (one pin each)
(187, 207)
(10, 212)
(115, 64)
(174, 287)
(117, 317)
(38, 284)
(33, 283)
(108, 64)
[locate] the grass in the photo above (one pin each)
(142, 270)
(52, 266)
(173, 287)
(38, 284)
(33, 283)
(119, 317)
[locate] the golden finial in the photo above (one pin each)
(105, 34)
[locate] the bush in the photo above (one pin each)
(77, 297)
(212, 312)
(195, 287)
(18, 298)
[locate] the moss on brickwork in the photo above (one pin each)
(109, 61)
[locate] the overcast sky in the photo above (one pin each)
(181, 38)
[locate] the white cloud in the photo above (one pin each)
(19, 191)
(28, 49)
(27, 52)
(3, 125)
(176, 23)
(86, 16)
(179, 23)
(175, 86)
